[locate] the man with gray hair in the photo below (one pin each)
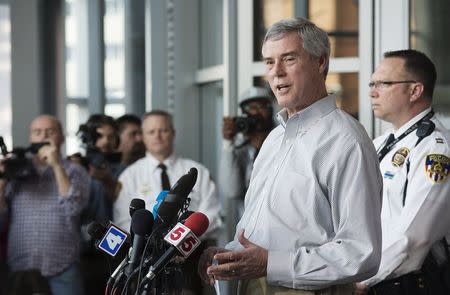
(311, 223)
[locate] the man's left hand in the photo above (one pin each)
(250, 263)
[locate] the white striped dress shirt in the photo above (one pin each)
(314, 200)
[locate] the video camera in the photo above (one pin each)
(245, 124)
(89, 136)
(16, 163)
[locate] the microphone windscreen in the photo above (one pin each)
(142, 222)
(184, 185)
(136, 204)
(198, 223)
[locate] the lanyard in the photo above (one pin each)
(387, 148)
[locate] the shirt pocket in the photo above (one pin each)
(394, 191)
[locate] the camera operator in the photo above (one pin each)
(44, 212)
(99, 135)
(236, 163)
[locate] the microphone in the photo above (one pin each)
(176, 197)
(159, 199)
(108, 239)
(183, 239)
(136, 204)
(185, 216)
(141, 226)
(96, 230)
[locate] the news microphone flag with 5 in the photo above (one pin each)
(183, 238)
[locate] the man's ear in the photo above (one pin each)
(323, 63)
(416, 91)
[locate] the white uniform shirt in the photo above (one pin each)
(410, 231)
(143, 180)
(314, 200)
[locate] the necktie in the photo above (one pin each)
(165, 183)
(389, 140)
(385, 150)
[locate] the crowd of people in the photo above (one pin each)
(323, 208)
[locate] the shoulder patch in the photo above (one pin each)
(399, 156)
(437, 167)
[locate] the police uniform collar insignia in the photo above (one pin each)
(399, 156)
(437, 167)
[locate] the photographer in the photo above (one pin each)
(236, 163)
(44, 212)
(131, 146)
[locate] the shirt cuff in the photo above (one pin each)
(67, 196)
(279, 267)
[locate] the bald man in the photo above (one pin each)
(44, 211)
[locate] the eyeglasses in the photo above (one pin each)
(385, 84)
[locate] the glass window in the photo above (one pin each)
(338, 18)
(211, 35)
(5, 76)
(77, 85)
(115, 110)
(265, 13)
(345, 85)
(76, 115)
(429, 23)
(114, 28)
(211, 113)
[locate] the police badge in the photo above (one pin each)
(399, 156)
(437, 167)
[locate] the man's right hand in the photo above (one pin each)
(205, 261)
(228, 128)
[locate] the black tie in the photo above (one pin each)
(384, 150)
(389, 140)
(165, 183)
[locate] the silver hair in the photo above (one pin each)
(315, 40)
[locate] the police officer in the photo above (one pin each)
(415, 164)
(239, 152)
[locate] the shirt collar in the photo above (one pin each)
(311, 114)
(153, 162)
(411, 122)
